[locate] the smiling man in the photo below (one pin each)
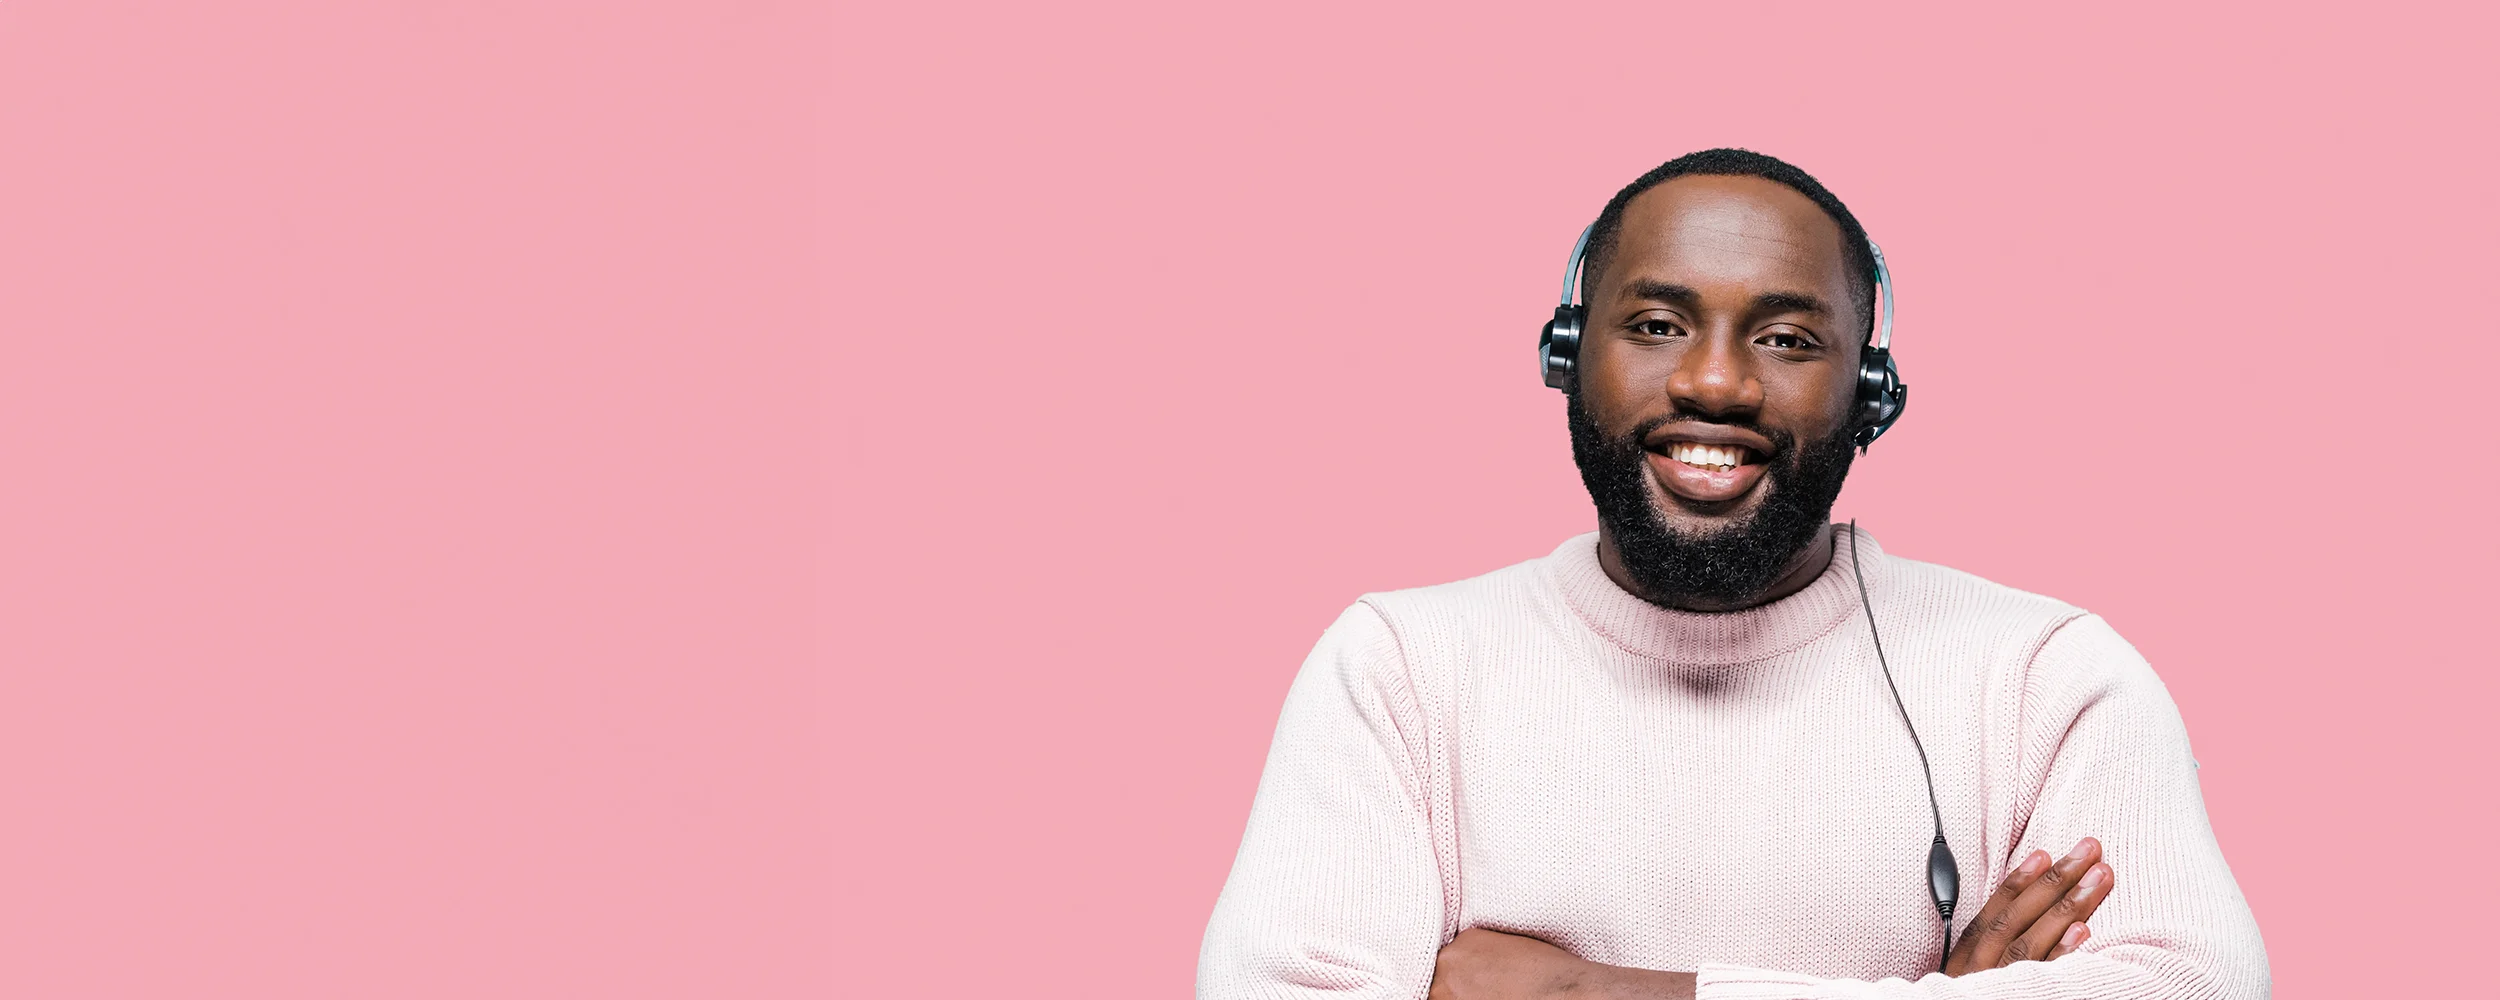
(1722, 747)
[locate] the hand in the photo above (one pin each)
(2038, 912)
(1481, 964)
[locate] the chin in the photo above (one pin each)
(1696, 520)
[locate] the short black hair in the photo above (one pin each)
(1854, 252)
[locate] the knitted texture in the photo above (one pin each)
(1540, 752)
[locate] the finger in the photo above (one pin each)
(2074, 938)
(2108, 885)
(2044, 894)
(1966, 954)
(2008, 927)
(2070, 910)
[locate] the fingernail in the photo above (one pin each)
(2091, 880)
(2082, 848)
(2074, 936)
(2033, 861)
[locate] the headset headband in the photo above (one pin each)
(1571, 268)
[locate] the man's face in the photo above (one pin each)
(1715, 382)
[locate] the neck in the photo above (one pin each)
(1801, 569)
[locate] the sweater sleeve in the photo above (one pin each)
(1337, 891)
(2104, 746)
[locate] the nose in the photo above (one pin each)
(1716, 378)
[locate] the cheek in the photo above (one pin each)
(1618, 381)
(1812, 401)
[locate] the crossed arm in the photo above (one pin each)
(2038, 912)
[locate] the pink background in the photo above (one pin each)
(534, 499)
(410, 526)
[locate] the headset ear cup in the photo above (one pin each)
(1558, 347)
(1881, 396)
(1545, 353)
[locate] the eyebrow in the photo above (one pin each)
(1660, 291)
(1791, 302)
(1684, 295)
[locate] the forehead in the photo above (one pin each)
(1746, 230)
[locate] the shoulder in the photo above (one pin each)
(2009, 624)
(2087, 664)
(2062, 638)
(2055, 659)
(2043, 668)
(1969, 593)
(1509, 600)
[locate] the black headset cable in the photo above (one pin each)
(1944, 878)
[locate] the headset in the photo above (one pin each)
(1881, 395)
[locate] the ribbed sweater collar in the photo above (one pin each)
(1696, 637)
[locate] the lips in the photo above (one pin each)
(1709, 463)
(1705, 483)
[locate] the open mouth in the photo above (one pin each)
(1716, 458)
(1707, 472)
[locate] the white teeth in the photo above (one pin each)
(1723, 458)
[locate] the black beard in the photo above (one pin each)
(1729, 567)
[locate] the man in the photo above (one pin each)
(1667, 760)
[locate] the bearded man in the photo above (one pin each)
(1723, 747)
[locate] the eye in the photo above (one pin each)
(1784, 341)
(1657, 328)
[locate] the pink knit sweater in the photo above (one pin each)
(1537, 751)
